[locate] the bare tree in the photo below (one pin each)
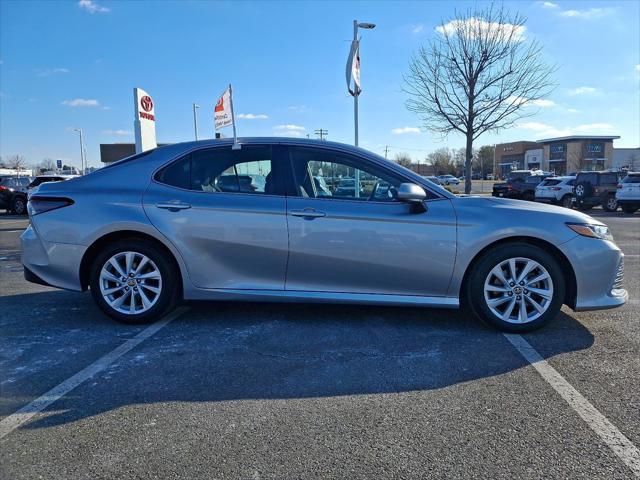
(477, 75)
(442, 161)
(16, 162)
(403, 159)
(47, 164)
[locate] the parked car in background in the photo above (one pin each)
(597, 188)
(557, 190)
(489, 176)
(432, 179)
(146, 232)
(13, 194)
(520, 184)
(448, 180)
(40, 179)
(628, 192)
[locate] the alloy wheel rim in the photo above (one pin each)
(19, 206)
(612, 203)
(579, 190)
(518, 290)
(130, 283)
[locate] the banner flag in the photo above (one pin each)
(353, 69)
(223, 113)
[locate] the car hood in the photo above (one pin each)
(511, 206)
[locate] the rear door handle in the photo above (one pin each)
(173, 205)
(307, 213)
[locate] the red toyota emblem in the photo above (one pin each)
(146, 103)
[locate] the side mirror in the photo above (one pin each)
(411, 193)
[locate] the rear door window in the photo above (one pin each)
(631, 179)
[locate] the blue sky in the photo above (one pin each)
(68, 64)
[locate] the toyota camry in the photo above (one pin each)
(270, 219)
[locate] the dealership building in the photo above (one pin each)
(560, 155)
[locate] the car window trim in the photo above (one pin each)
(291, 183)
(177, 158)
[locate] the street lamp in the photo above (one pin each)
(82, 159)
(195, 119)
(365, 26)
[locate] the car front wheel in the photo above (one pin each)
(19, 205)
(610, 204)
(132, 281)
(516, 288)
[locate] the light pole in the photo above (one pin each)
(195, 119)
(82, 159)
(366, 26)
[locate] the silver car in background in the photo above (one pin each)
(189, 221)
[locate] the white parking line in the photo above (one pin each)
(608, 432)
(23, 415)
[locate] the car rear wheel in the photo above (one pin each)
(132, 281)
(19, 205)
(610, 204)
(516, 288)
(567, 201)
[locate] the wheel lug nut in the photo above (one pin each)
(522, 283)
(138, 280)
(510, 294)
(131, 274)
(518, 297)
(511, 284)
(526, 292)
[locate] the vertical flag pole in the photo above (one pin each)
(235, 146)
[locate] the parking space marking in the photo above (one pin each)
(607, 431)
(23, 415)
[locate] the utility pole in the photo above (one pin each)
(321, 133)
(195, 119)
(82, 160)
(386, 151)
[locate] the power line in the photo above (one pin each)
(321, 133)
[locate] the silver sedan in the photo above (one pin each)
(269, 221)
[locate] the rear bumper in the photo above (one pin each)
(546, 199)
(52, 264)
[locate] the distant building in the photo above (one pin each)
(627, 158)
(511, 156)
(533, 159)
(579, 152)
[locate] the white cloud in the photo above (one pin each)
(544, 130)
(118, 133)
(415, 29)
(541, 102)
(298, 108)
(583, 91)
(253, 116)
(92, 7)
(51, 71)
(289, 130)
(593, 127)
(81, 102)
(474, 26)
(589, 14)
(403, 130)
(573, 110)
(638, 67)
(549, 5)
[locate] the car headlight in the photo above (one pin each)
(593, 230)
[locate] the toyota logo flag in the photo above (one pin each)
(353, 69)
(223, 112)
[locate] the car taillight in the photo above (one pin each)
(596, 190)
(2, 187)
(37, 205)
(509, 187)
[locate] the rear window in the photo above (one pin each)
(608, 179)
(517, 177)
(588, 177)
(176, 174)
(39, 180)
(631, 178)
(550, 183)
(533, 180)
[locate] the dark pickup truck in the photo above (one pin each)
(520, 184)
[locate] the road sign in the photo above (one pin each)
(58, 164)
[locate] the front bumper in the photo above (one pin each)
(47, 263)
(598, 266)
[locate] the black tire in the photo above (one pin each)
(567, 201)
(610, 204)
(629, 209)
(19, 205)
(474, 298)
(168, 296)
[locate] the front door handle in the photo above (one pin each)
(173, 205)
(307, 213)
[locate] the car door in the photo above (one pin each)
(224, 210)
(363, 240)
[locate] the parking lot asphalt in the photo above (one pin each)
(232, 390)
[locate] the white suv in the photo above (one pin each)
(448, 180)
(628, 193)
(557, 190)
